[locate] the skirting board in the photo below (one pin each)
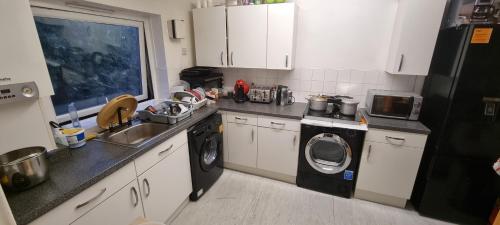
(261, 172)
(380, 198)
(178, 211)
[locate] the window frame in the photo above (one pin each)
(103, 19)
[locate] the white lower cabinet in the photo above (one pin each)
(278, 150)
(262, 145)
(389, 165)
(166, 185)
(130, 192)
(120, 209)
(242, 144)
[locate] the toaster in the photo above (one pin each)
(260, 94)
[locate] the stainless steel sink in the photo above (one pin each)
(134, 136)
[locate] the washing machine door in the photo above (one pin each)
(210, 151)
(328, 153)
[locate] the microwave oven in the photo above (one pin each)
(393, 104)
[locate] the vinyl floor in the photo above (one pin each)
(243, 199)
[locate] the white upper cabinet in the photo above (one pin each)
(247, 36)
(210, 36)
(281, 36)
(414, 36)
(21, 55)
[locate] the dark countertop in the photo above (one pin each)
(395, 124)
(71, 171)
(294, 111)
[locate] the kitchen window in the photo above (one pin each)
(91, 59)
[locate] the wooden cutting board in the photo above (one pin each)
(108, 114)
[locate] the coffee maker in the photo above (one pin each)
(284, 95)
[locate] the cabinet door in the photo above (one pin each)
(166, 185)
(388, 169)
(278, 150)
(242, 144)
(247, 36)
(21, 55)
(210, 36)
(280, 36)
(414, 36)
(121, 208)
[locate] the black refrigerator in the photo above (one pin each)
(456, 181)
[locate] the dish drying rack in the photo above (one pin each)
(160, 117)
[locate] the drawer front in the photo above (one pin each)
(241, 118)
(77, 206)
(397, 138)
(149, 159)
(279, 123)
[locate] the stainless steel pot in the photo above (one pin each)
(348, 106)
(318, 102)
(23, 168)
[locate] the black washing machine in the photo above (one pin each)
(329, 158)
(205, 153)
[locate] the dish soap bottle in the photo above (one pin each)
(73, 114)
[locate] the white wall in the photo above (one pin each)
(342, 48)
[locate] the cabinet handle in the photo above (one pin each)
(145, 183)
(92, 199)
(369, 153)
(232, 61)
(240, 118)
(294, 140)
(401, 62)
(136, 197)
(222, 58)
(274, 123)
(286, 61)
(252, 134)
(166, 150)
(389, 139)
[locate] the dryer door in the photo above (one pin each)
(328, 153)
(210, 151)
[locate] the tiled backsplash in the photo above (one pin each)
(304, 82)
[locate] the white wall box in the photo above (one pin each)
(166, 185)
(25, 61)
(176, 29)
(82, 203)
(247, 36)
(258, 36)
(414, 36)
(281, 22)
(389, 166)
(210, 36)
(121, 208)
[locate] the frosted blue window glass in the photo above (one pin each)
(90, 61)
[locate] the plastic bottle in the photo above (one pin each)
(73, 114)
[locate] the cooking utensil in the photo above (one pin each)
(23, 168)
(348, 106)
(318, 102)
